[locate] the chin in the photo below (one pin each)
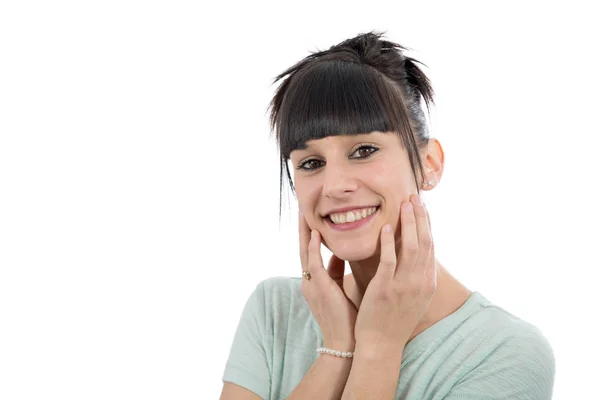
(350, 252)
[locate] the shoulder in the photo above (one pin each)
(280, 287)
(502, 330)
(512, 354)
(523, 346)
(283, 306)
(281, 282)
(281, 294)
(507, 328)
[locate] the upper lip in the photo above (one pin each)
(344, 209)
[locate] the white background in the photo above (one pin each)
(139, 183)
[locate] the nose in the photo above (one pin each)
(338, 181)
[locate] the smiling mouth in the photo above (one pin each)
(351, 216)
(370, 213)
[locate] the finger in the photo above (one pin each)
(428, 219)
(425, 239)
(387, 260)
(315, 261)
(422, 223)
(429, 225)
(336, 269)
(432, 269)
(303, 239)
(409, 247)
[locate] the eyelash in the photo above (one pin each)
(375, 149)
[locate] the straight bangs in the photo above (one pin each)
(339, 98)
(361, 85)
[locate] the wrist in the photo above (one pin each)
(329, 358)
(334, 352)
(340, 345)
(334, 363)
(378, 351)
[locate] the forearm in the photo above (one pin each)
(374, 373)
(325, 380)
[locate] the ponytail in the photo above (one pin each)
(418, 80)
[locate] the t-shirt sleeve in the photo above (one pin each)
(521, 367)
(247, 365)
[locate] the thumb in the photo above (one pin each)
(336, 269)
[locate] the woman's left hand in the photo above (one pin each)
(400, 292)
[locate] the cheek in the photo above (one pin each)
(393, 202)
(307, 195)
(307, 206)
(379, 171)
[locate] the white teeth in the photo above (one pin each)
(351, 216)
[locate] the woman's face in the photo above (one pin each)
(356, 172)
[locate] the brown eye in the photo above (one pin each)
(312, 164)
(309, 165)
(365, 151)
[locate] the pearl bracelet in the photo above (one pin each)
(345, 354)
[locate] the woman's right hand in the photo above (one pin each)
(324, 292)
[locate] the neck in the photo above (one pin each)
(449, 296)
(364, 270)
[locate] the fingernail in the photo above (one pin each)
(417, 199)
(387, 228)
(408, 206)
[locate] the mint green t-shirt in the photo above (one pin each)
(478, 352)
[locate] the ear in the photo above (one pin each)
(433, 163)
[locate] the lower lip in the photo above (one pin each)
(351, 225)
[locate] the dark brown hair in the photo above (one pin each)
(360, 85)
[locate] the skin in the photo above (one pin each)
(340, 176)
(396, 289)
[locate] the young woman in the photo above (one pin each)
(400, 326)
